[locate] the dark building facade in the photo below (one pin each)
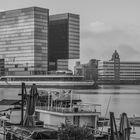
(116, 59)
(24, 41)
(89, 70)
(2, 70)
(64, 36)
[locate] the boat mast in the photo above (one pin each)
(106, 112)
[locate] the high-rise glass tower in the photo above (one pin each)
(64, 36)
(24, 41)
(31, 42)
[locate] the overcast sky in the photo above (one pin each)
(106, 25)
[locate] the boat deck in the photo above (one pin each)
(81, 109)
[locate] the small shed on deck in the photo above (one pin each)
(11, 109)
(10, 102)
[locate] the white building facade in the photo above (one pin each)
(119, 72)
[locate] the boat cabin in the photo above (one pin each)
(11, 111)
(66, 108)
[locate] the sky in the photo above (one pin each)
(105, 25)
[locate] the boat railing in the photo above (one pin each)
(80, 108)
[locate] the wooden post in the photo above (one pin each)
(71, 101)
(51, 100)
(48, 100)
(113, 128)
(22, 102)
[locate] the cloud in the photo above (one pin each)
(128, 52)
(100, 43)
(99, 27)
(2, 10)
(99, 30)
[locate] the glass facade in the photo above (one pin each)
(64, 36)
(32, 42)
(41, 20)
(73, 36)
(59, 64)
(58, 38)
(62, 64)
(127, 70)
(106, 70)
(23, 38)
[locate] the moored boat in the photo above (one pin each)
(56, 108)
(65, 107)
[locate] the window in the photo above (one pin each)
(25, 69)
(16, 65)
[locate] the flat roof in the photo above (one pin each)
(9, 102)
(68, 113)
(61, 16)
(9, 11)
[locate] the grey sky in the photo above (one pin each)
(106, 25)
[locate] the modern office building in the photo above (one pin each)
(118, 71)
(89, 70)
(24, 41)
(63, 40)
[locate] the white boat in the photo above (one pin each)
(65, 107)
(55, 108)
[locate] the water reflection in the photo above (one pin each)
(123, 98)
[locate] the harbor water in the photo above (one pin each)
(122, 99)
